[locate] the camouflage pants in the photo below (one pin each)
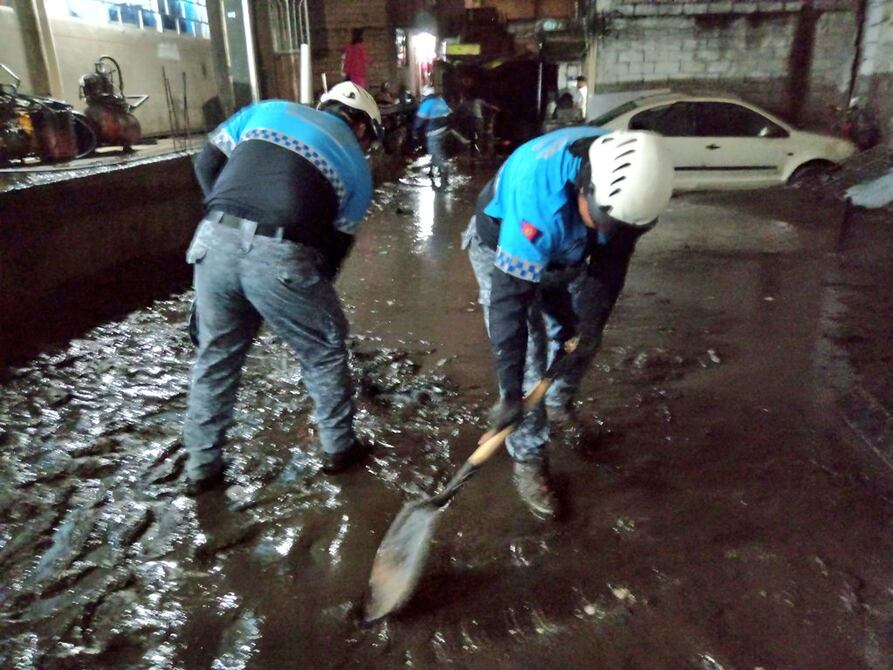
(435, 143)
(529, 440)
(241, 280)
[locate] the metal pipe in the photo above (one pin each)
(186, 113)
(171, 107)
(539, 89)
(859, 48)
(247, 20)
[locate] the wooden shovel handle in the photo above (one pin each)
(492, 444)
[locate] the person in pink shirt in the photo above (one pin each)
(354, 59)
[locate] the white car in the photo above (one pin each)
(725, 143)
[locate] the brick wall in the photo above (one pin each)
(378, 36)
(792, 60)
(331, 28)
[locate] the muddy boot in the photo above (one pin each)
(561, 414)
(215, 480)
(340, 461)
(532, 482)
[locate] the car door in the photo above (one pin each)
(676, 122)
(740, 147)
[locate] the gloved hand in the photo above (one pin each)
(504, 413)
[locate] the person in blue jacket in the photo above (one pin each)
(286, 187)
(432, 121)
(550, 243)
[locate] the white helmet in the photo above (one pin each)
(356, 97)
(632, 176)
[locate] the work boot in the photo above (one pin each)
(532, 482)
(195, 487)
(342, 460)
(563, 413)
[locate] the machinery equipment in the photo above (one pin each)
(43, 127)
(109, 110)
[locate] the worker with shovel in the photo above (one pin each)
(550, 245)
(286, 187)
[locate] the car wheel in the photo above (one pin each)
(811, 173)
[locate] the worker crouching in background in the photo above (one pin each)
(550, 244)
(286, 187)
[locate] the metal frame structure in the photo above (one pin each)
(290, 25)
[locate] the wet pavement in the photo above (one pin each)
(727, 493)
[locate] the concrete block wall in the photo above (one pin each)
(875, 77)
(746, 48)
(831, 68)
(681, 50)
(528, 9)
(72, 248)
(12, 48)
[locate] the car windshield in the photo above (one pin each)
(613, 114)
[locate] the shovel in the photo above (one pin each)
(401, 556)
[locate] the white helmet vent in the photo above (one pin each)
(350, 95)
(632, 175)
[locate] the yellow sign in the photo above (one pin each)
(458, 49)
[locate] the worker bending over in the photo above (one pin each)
(286, 187)
(550, 244)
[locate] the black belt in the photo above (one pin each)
(230, 221)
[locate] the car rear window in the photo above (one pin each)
(613, 114)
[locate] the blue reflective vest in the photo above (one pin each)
(432, 115)
(320, 137)
(535, 200)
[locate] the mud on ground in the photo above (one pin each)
(726, 500)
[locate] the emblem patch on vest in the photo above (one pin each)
(530, 231)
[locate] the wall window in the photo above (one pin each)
(184, 17)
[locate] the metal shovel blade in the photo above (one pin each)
(400, 559)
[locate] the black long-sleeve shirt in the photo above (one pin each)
(275, 187)
(511, 298)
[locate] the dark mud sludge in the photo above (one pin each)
(104, 561)
(718, 515)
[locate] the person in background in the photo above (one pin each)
(565, 102)
(583, 95)
(432, 123)
(481, 110)
(286, 187)
(384, 95)
(551, 105)
(355, 60)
